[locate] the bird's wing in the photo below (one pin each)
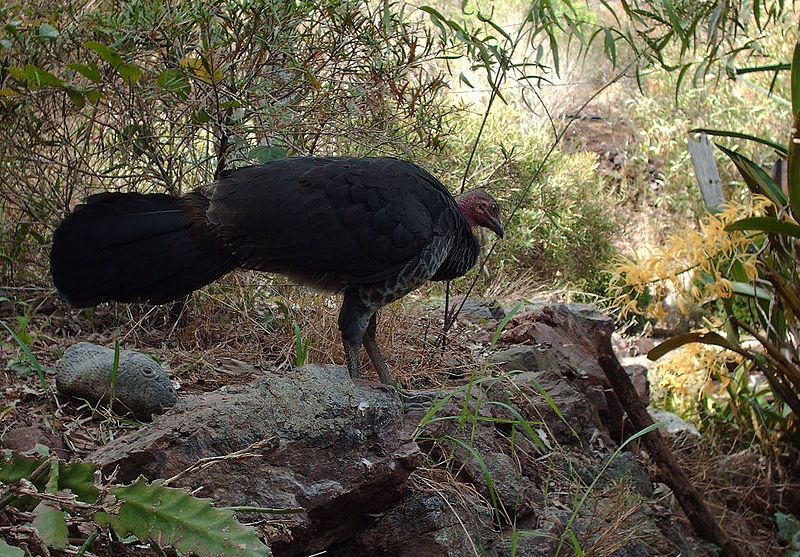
(340, 221)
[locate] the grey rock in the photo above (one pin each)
(481, 310)
(534, 538)
(563, 339)
(337, 450)
(423, 524)
(142, 387)
(625, 468)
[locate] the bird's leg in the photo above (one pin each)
(354, 317)
(351, 358)
(374, 351)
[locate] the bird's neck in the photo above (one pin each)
(467, 208)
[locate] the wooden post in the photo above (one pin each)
(685, 492)
(705, 171)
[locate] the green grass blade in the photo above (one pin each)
(579, 505)
(485, 472)
(29, 355)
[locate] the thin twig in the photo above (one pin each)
(207, 462)
(533, 179)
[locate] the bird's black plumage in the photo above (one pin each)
(374, 229)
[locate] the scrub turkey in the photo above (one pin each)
(374, 229)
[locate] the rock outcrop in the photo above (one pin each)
(561, 339)
(520, 459)
(338, 451)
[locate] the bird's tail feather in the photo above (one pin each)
(134, 247)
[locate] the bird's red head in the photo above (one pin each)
(480, 209)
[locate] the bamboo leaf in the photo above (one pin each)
(796, 79)
(754, 176)
(201, 70)
(781, 149)
(130, 73)
(106, 54)
(89, 71)
(793, 160)
(766, 224)
(610, 47)
(38, 77)
(174, 81)
(677, 341)
(76, 97)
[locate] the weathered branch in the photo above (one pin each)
(687, 494)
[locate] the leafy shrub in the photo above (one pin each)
(151, 96)
(564, 227)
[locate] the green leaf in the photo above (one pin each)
(793, 158)
(172, 516)
(9, 550)
(106, 54)
(747, 289)
(756, 179)
(93, 96)
(78, 477)
(5, 43)
(38, 77)
(781, 149)
(51, 524)
(174, 81)
(766, 224)
(266, 153)
(796, 79)
(610, 47)
(130, 73)
(677, 341)
(788, 530)
(76, 97)
(47, 31)
(436, 19)
(201, 117)
(202, 69)
(14, 467)
(20, 368)
(89, 71)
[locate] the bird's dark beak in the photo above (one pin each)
(496, 226)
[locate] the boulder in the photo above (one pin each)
(337, 450)
(562, 339)
(423, 524)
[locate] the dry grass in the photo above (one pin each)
(742, 488)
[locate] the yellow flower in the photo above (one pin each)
(724, 288)
(750, 269)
